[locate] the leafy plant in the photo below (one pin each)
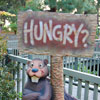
(3, 46)
(6, 16)
(1, 23)
(7, 85)
(75, 6)
(85, 69)
(7, 82)
(13, 27)
(20, 95)
(4, 13)
(5, 29)
(35, 5)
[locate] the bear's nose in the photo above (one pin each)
(34, 70)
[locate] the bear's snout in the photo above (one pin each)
(35, 70)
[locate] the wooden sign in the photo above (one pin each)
(56, 34)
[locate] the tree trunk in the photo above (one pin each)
(57, 77)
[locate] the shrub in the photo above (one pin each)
(13, 27)
(7, 82)
(7, 85)
(3, 47)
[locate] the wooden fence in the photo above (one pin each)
(88, 65)
(87, 79)
(72, 77)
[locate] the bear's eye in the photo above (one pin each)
(41, 65)
(32, 65)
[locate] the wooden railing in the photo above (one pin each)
(75, 78)
(81, 77)
(84, 64)
(21, 76)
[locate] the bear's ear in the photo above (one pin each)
(45, 61)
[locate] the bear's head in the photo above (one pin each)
(37, 69)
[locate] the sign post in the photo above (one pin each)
(58, 35)
(57, 77)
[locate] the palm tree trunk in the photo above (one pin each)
(57, 77)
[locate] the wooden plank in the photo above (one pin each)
(79, 89)
(95, 94)
(86, 92)
(58, 34)
(18, 59)
(70, 85)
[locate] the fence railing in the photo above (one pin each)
(81, 77)
(77, 77)
(83, 64)
(88, 65)
(21, 72)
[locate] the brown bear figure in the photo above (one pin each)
(38, 87)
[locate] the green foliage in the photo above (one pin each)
(3, 46)
(13, 5)
(97, 31)
(13, 27)
(86, 6)
(1, 22)
(7, 85)
(68, 6)
(20, 95)
(51, 3)
(7, 82)
(81, 6)
(7, 16)
(85, 69)
(34, 5)
(5, 28)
